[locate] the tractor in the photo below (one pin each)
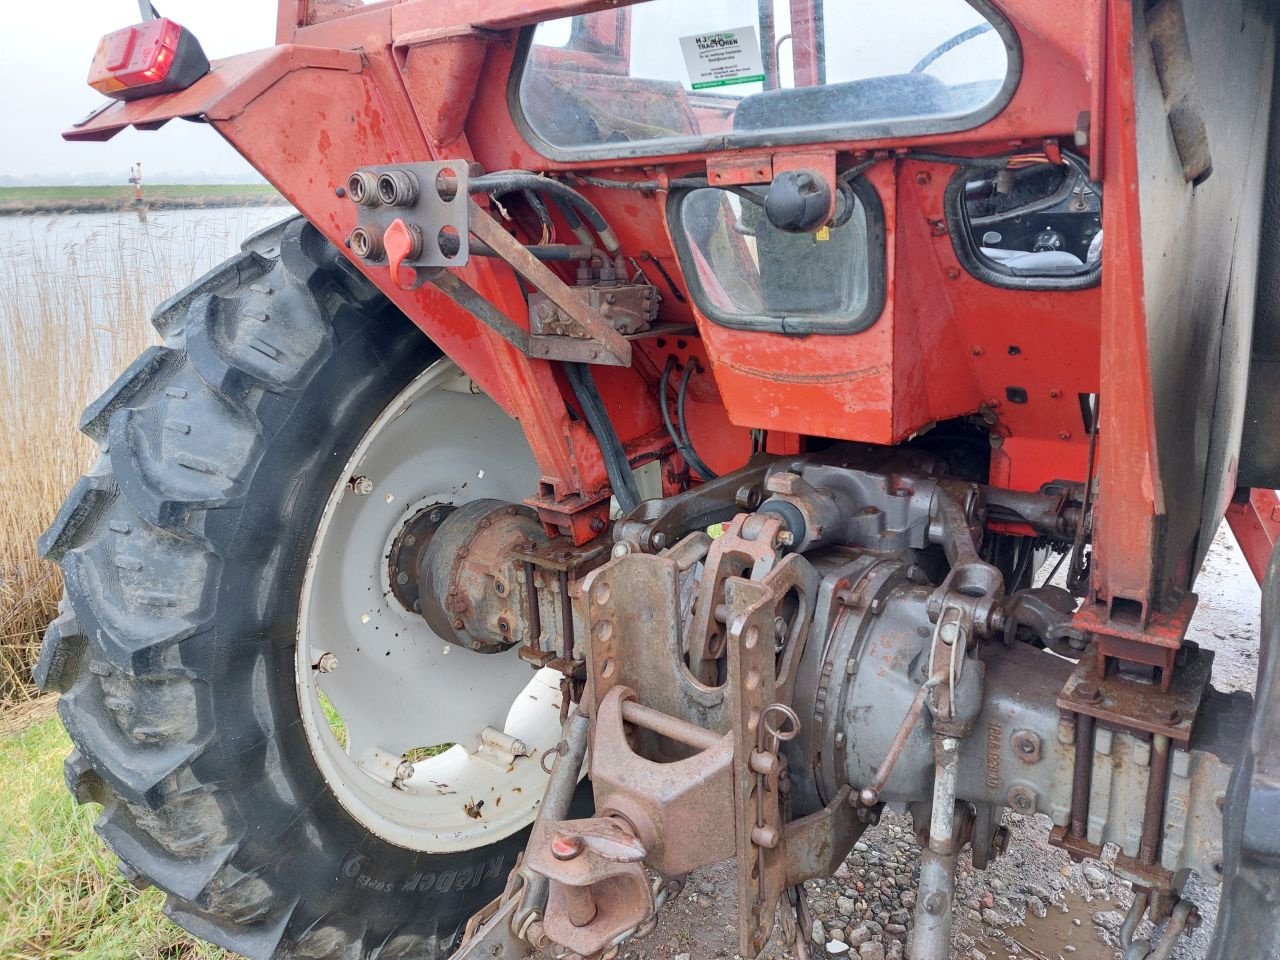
(675, 432)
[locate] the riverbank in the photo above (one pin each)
(31, 201)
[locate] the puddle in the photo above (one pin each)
(1048, 937)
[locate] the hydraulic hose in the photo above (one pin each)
(621, 479)
(697, 463)
(510, 181)
(679, 437)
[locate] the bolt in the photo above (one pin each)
(948, 633)
(402, 578)
(786, 538)
(779, 628)
(361, 486)
(340, 192)
(1087, 692)
(404, 771)
(1022, 800)
(1026, 745)
(976, 351)
(659, 540)
(434, 516)
(596, 524)
(868, 797)
(327, 663)
(953, 273)
(458, 624)
(566, 848)
(923, 178)
(503, 627)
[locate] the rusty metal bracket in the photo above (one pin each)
(816, 845)
(762, 721)
(598, 887)
(603, 344)
(631, 608)
(749, 544)
(677, 808)
(1147, 708)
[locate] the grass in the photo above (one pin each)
(61, 895)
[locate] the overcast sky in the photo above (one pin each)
(45, 50)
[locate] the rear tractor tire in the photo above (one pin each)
(219, 544)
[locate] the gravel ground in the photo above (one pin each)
(1033, 902)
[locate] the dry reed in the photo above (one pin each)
(74, 311)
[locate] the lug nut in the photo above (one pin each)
(404, 771)
(327, 663)
(361, 486)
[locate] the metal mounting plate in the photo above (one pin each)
(440, 211)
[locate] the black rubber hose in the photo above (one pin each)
(554, 252)
(663, 382)
(510, 181)
(616, 466)
(695, 461)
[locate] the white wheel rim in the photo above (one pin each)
(397, 685)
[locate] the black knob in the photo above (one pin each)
(798, 201)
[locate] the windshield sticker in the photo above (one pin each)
(723, 58)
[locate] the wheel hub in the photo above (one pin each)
(404, 562)
(428, 745)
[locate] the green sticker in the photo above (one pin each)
(722, 58)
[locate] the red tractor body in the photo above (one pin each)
(984, 319)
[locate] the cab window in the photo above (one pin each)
(671, 76)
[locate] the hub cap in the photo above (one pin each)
(427, 744)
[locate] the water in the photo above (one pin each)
(105, 263)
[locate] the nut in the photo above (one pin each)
(1027, 746)
(361, 486)
(1022, 800)
(1087, 692)
(327, 663)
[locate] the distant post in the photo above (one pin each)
(135, 177)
